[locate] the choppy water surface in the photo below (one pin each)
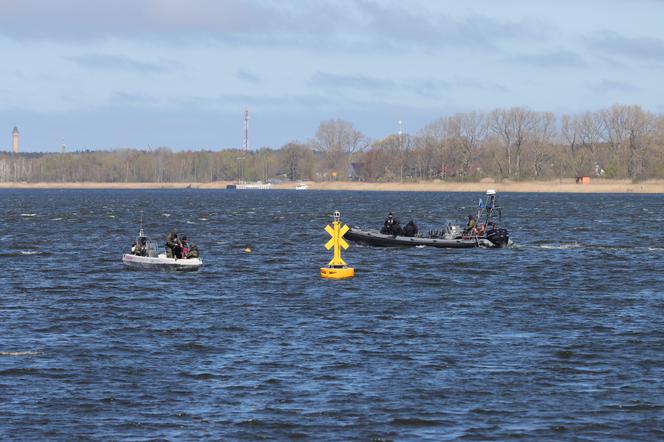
(560, 337)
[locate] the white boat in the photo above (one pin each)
(161, 262)
(301, 186)
(148, 258)
(241, 185)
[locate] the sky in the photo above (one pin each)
(96, 74)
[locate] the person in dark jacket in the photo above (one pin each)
(171, 243)
(387, 225)
(391, 225)
(193, 251)
(140, 249)
(410, 229)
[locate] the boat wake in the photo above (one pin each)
(564, 246)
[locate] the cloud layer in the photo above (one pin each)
(375, 61)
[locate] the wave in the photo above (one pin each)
(20, 353)
(28, 215)
(23, 253)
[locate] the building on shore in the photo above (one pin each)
(15, 140)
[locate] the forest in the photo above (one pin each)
(620, 142)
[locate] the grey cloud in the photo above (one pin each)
(637, 48)
(401, 26)
(335, 81)
(555, 59)
(282, 103)
(240, 101)
(248, 76)
(352, 84)
(614, 86)
(342, 24)
(118, 62)
(476, 84)
(84, 19)
(131, 99)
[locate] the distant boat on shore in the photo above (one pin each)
(301, 186)
(257, 185)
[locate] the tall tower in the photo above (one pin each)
(15, 140)
(246, 131)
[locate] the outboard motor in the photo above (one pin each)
(498, 237)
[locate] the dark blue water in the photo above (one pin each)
(558, 338)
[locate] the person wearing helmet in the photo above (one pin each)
(391, 225)
(387, 225)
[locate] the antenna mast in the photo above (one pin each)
(246, 131)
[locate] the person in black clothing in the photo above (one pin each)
(172, 243)
(410, 229)
(387, 225)
(391, 225)
(141, 247)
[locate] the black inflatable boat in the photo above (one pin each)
(484, 232)
(496, 238)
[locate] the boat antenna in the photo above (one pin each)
(140, 232)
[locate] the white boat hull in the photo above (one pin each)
(161, 262)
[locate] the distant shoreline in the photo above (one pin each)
(555, 186)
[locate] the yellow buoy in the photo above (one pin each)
(337, 268)
(247, 249)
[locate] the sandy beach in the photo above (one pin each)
(564, 186)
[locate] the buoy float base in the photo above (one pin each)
(337, 272)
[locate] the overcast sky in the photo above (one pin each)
(138, 73)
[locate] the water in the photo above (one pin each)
(559, 338)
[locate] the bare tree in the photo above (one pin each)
(501, 125)
(543, 136)
(467, 132)
(338, 140)
(570, 134)
(640, 127)
(437, 136)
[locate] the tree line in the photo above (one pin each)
(514, 143)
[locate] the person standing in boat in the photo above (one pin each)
(172, 243)
(472, 222)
